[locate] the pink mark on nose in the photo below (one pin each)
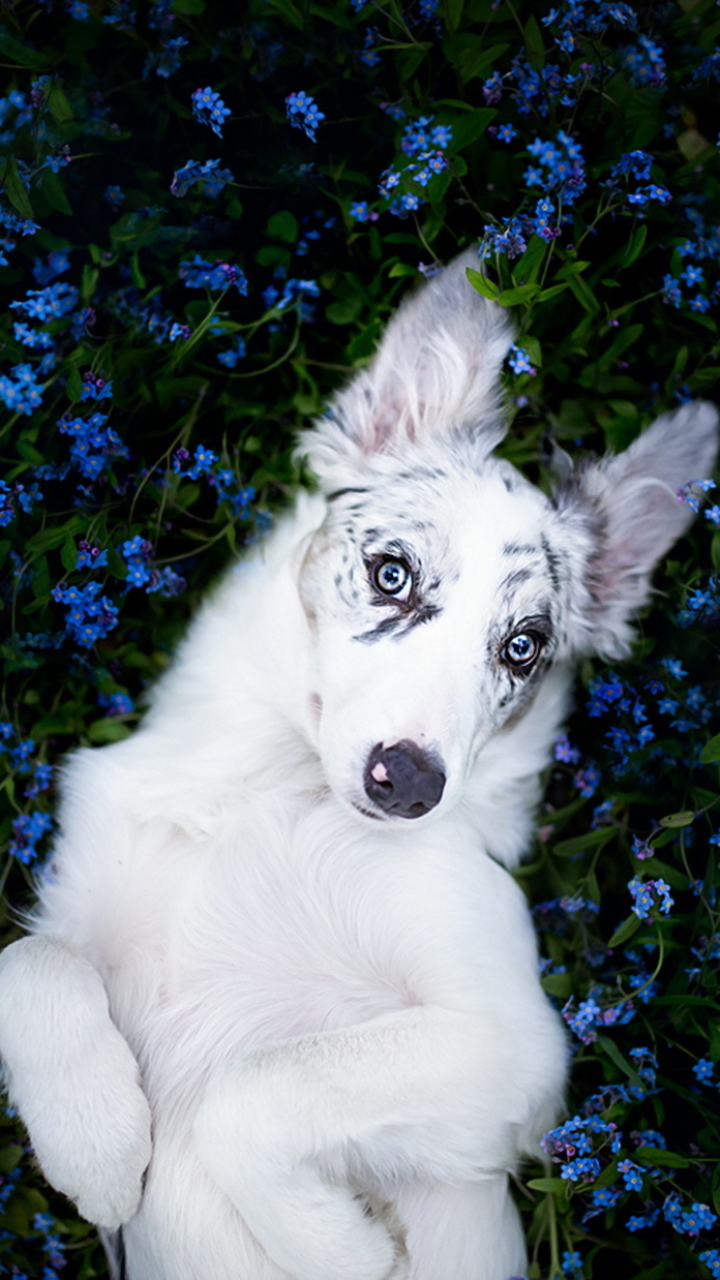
(380, 773)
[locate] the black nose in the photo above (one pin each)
(404, 780)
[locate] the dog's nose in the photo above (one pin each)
(404, 780)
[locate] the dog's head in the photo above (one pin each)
(446, 595)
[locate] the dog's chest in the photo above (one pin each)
(291, 928)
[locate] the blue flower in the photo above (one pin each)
(19, 389)
(199, 274)
(89, 616)
(565, 752)
(28, 828)
(368, 55)
(519, 360)
(115, 197)
(47, 304)
(92, 445)
(208, 174)
(645, 62)
(56, 263)
(698, 1219)
(166, 60)
(711, 1258)
(580, 1170)
(116, 704)
(95, 388)
(233, 354)
(359, 210)
(209, 108)
(644, 897)
(506, 132)
(304, 113)
(632, 1175)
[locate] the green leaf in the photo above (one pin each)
(584, 294)
(18, 52)
(522, 293)
(283, 226)
(401, 269)
(557, 984)
(711, 751)
(89, 280)
(625, 930)
(15, 189)
(116, 564)
(136, 272)
(482, 284)
(58, 104)
(288, 10)
(658, 1155)
(715, 552)
(110, 729)
(68, 555)
(590, 840)
(54, 192)
(527, 268)
(682, 819)
(472, 58)
(74, 386)
(635, 245)
(452, 11)
(572, 269)
(547, 1184)
(533, 348)
(346, 310)
(610, 1048)
(551, 292)
(470, 127)
(47, 539)
(534, 44)
(10, 1157)
(624, 339)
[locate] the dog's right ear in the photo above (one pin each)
(436, 374)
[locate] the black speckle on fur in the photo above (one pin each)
(519, 549)
(400, 624)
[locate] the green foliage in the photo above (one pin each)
(223, 280)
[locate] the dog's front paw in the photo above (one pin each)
(97, 1155)
(73, 1078)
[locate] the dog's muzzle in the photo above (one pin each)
(403, 780)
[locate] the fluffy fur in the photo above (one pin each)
(266, 1023)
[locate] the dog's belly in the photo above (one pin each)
(293, 924)
(304, 922)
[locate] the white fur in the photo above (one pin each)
(334, 1019)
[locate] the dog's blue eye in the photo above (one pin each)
(393, 578)
(521, 650)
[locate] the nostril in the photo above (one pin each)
(404, 780)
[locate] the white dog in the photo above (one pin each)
(280, 1014)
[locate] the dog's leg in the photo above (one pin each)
(469, 1231)
(73, 1078)
(428, 1091)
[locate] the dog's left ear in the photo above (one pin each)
(627, 512)
(435, 374)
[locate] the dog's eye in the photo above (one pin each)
(521, 650)
(392, 578)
